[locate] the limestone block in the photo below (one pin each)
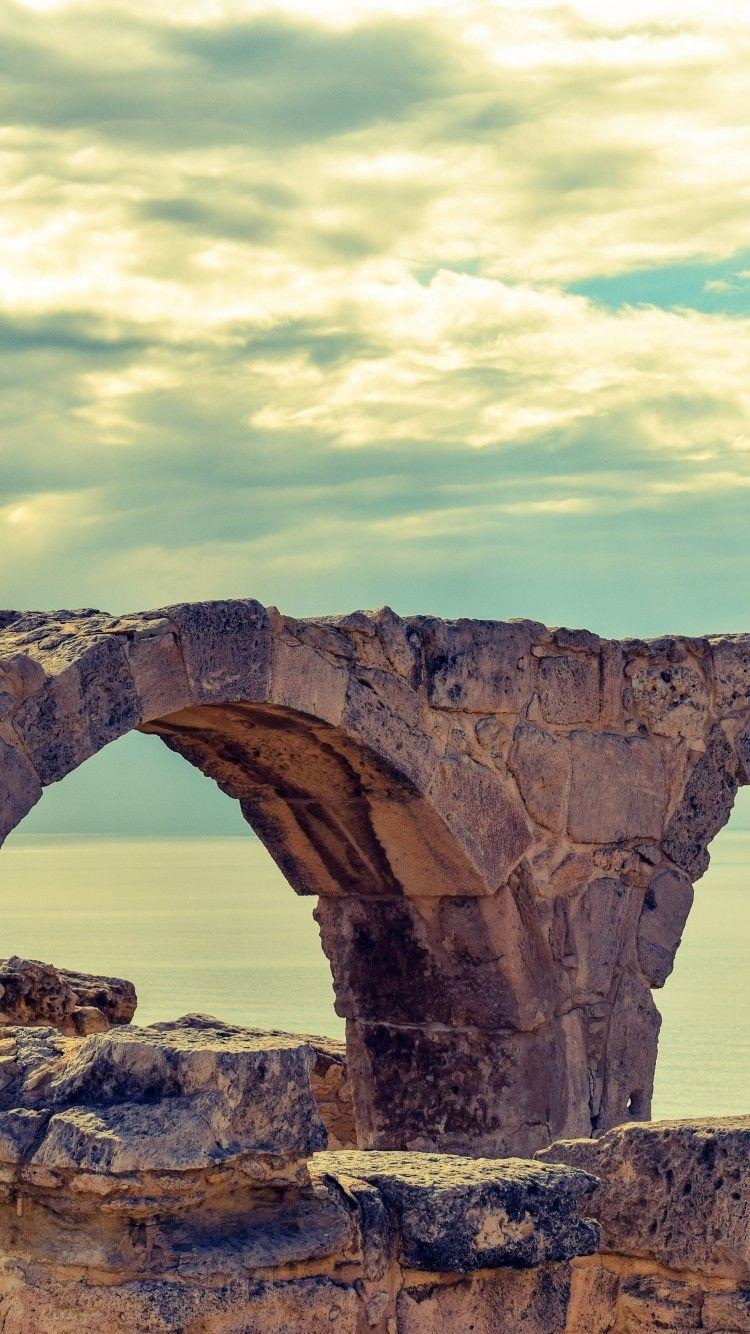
(483, 818)
(72, 1304)
(20, 788)
(402, 644)
(672, 1192)
(540, 764)
(629, 1055)
(651, 1302)
(458, 1214)
(727, 1312)
(584, 641)
(569, 690)
(671, 698)
(90, 703)
(158, 669)
(467, 1090)
(453, 961)
(226, 647)
(730, 655)
(618, 788)
(743, 751)
(186, 1096)
(307, 680)
(527, 1301)
(601, 932)
(705, 806)
(479, 666)
(384, 712)
(667, 902)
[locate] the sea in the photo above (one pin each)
(209, 925)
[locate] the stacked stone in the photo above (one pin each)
(166, 1179)
(672, 1202)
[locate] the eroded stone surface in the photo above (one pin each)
(675, 1233)
(459, 1214)
(38, 993)
(500, 820)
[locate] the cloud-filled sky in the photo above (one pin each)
(440, 305)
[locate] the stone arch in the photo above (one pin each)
(500, 821)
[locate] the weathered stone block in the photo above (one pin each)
(384, 712)
(540, 764)
(20, 788)
(194, 1095)
(530, 1301)
(730, 655)
(483, 818)
(618, 788)
(458, 1214)
(226, 647)
(705, 806)
(32, 992)
(569, 690)
(671, 698)
(467, 1090)
(601, 931)
(452, 961)
(667, 902)
(89, 704)
(671, 1192)
(479, 666)
(727, 1312)
(307, 680)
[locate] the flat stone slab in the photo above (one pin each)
(457, 1214)
(191, 1096)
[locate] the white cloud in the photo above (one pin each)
(266, 278)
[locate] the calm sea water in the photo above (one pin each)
(211, 925)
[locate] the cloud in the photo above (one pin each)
(371, 309)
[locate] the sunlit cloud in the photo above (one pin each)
(283, 284)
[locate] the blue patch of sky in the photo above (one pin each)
(712, 287)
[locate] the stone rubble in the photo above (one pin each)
(74, 1003)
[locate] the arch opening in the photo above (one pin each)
(135, 866)
(704, 1047)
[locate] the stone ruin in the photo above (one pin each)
(501, 824)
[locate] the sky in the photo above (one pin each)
(444, 306)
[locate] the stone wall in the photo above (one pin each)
(672, 1203)
(501, 823)
(170, 1179)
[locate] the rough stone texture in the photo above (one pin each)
(459, 1214)
(675, 1231)
(34, 993)
(500, 821)
(165, 1179)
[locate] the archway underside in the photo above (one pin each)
(501, 824)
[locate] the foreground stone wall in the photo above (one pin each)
(673, 1205)
(501, 822)
(168, 1179)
